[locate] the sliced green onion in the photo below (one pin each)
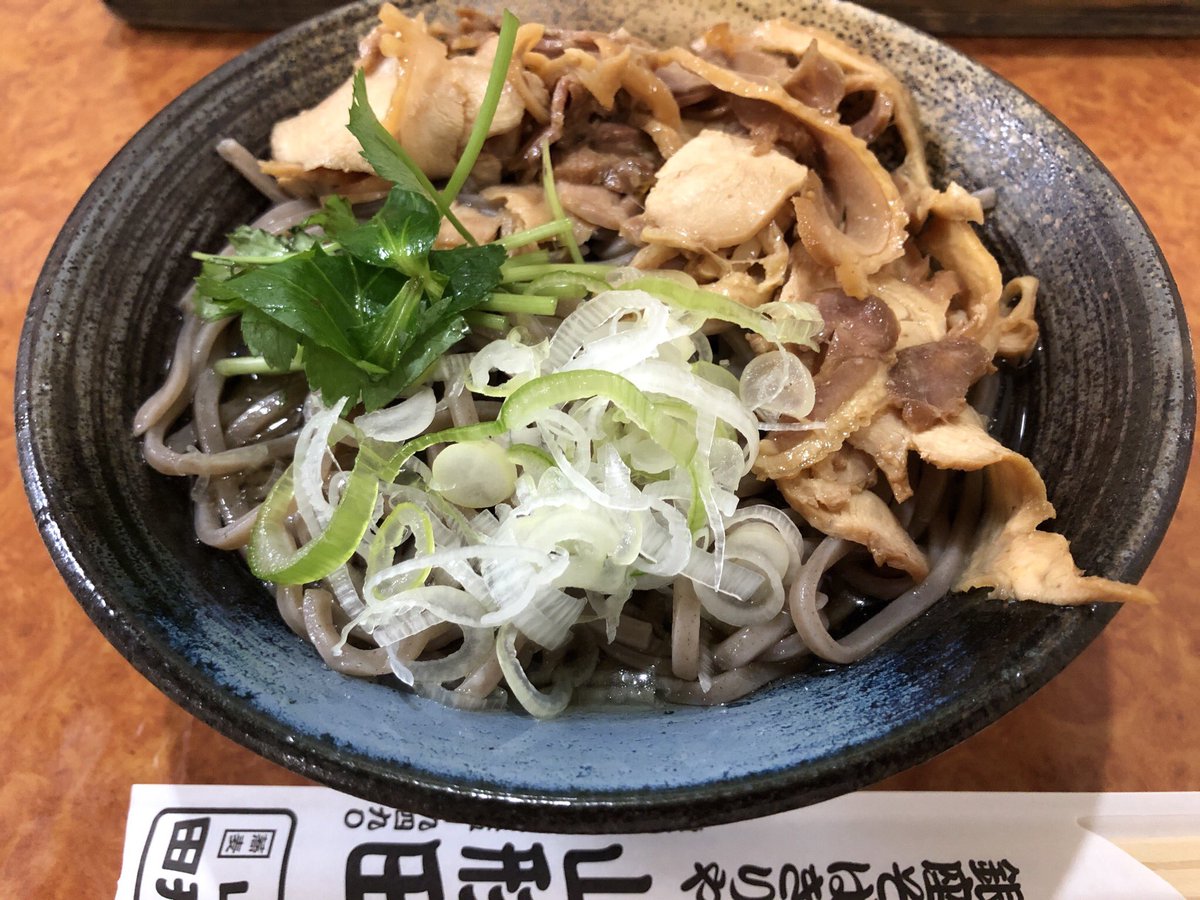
(539, 704)
(522, 406)
(390, 468)
(793, 330)
(474, 474)
(403, 520)
(273, 557)
(718, 375)
(532, 459)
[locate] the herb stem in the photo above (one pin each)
(574, 287)
(533, 235)
(252, 365)
(552, 201)
(225, 260)
(532, 304)
(487, 320)
(532, 258)
(527, 273)
(487, 108)
(383, 152)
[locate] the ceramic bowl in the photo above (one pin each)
(1105, 411)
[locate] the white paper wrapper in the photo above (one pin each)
(286, 843)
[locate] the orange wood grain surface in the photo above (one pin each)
(78, 725)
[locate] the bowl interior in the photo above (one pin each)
(1105, 411)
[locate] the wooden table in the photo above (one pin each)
(78, 725)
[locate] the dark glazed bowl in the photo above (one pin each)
(1107, 414)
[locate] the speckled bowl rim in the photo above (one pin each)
(631, 811)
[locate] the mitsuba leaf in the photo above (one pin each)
(391, 161)
(330, 300)
(468, 275)
(379, 148)
(247, 241)
(471, 272)
(335, 215)
(423, 351)
(391, 331)
(215, 298)
(333, 375)
(399, 236)
(265, 337)
(371, 310)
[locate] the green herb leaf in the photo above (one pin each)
(392, 330)
(334, 376)
(330, 300)
(472, 273)
(390, 160)
(399, 236)
(336, 216)
(247, 241)
(423, 352)
(215, 298)
(380, 149)
(369, 307)
(365, 331)
(275, 343)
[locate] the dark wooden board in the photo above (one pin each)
(1078, 18)
(949, 17)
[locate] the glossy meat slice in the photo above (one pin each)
(920, 310)
(928, 383)
(717, 191)
(318, 138)
(481, 225)
(861, 392)
(1018, 327)
(1012, 558)
(855, 327)
(851, 382)
(597, 205)
(888, 441)
(975, 311)
(833, 497)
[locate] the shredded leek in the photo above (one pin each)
(798, 323)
